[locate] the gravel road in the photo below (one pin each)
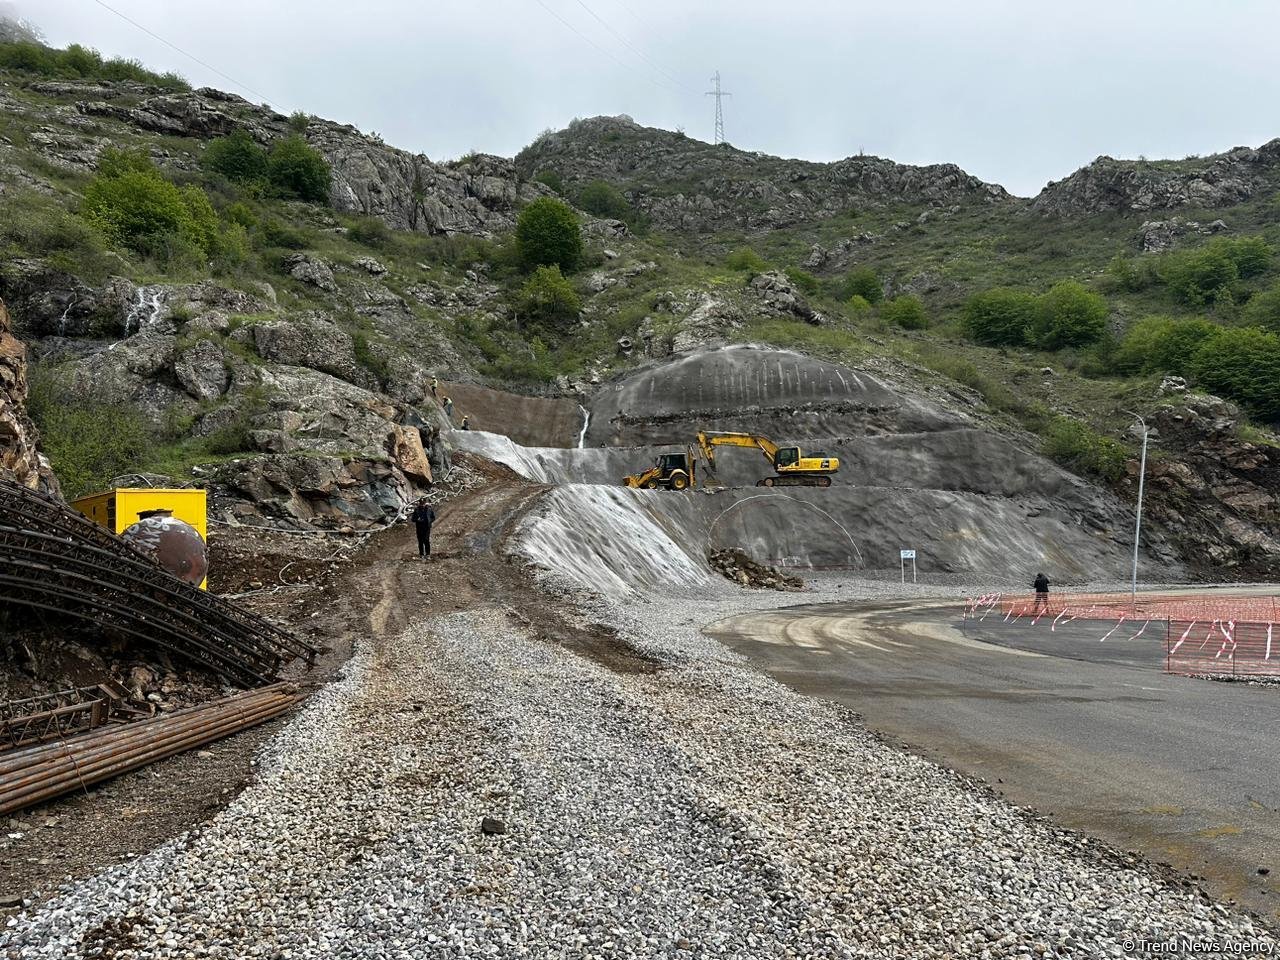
(698, 810)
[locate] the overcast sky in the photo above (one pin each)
(1018, 92)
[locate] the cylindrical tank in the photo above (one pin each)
(174, 545)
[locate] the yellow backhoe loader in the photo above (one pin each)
(673, 471)
(792, 466)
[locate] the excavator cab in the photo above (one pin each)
(670, 471)
(786, 456)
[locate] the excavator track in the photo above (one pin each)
(794, 482)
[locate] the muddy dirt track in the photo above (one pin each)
(1092, 733)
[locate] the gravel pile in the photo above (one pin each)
(699, 811)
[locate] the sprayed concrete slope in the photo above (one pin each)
(912, 475)
(780, 393)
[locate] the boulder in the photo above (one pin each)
(371, 266)
(777, 293)
(313, 271)
(309, 340)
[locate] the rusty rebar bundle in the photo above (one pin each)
(41, 773)
(54, 559)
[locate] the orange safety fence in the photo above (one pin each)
(1112, 606)
(1219, 634)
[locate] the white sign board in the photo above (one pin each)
(908, 554)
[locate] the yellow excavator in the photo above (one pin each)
(792, 466)
(673, 471)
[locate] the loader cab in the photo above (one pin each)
(672, 461)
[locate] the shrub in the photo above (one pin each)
(906, 312)
(298, 170)
(242, 214)
(1243, 365)
(858, 306)
(547, 234)
(549, 301)
(80, 63)
(1077, 447)
(804, 281)
(138, 208)
(1067, 316)
(1251, 255)
(1263, 310)
(371, 232)
(274, 232)
(1199, 277)
(603, 199)
(551, 179)
(861, 282)
(1162, 345)
(1000, 316)
(236, 157)
(299, 121)
(746, 260)
(87, 443)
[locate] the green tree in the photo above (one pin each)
(1162, 345)
(906, 312)
(1263, 310)
(1067, 315)
(140, 209)
(1251, 255)
(236, 157)
(547, 234)
(549, 301)
(861, 282)
(1000, 316)
(1244, 365)
(298, 170)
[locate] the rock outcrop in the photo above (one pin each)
(1125, 186)
(477, 195)
(1215, 491)
(687, 185)
(20, 459)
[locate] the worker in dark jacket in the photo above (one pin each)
(423, 517)
(1042, 593)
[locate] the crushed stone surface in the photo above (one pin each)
(700, 810)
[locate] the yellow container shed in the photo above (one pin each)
(118, 509)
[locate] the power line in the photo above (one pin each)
(623, 40)
(190, 56)
(597, 46)
(718, 93)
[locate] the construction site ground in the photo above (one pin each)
(333, 591)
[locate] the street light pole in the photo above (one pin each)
(1137, 526)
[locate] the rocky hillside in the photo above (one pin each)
(1221, 180)
(686, 185)
(289, 367)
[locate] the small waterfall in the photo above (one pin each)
(144, 311)
(62, 320)
(586, 422)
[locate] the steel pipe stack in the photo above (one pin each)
(41, 773)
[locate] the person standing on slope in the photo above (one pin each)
(1041, 586)
(423, 516)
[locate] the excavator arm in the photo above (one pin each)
(709, 441)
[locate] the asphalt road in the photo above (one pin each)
(1087, 731)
